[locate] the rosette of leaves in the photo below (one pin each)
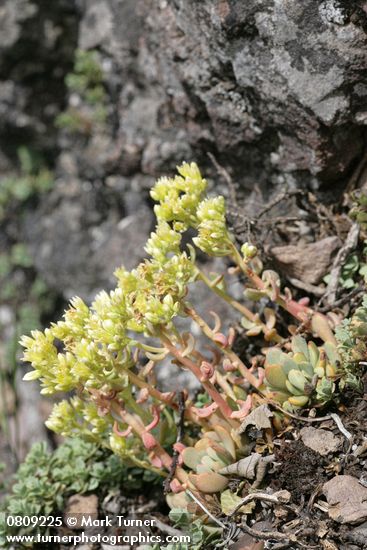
(212, 452)
(303, 377)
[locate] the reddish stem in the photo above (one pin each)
(226, 350)
(166, 398)
(299, 311)
(212, 391)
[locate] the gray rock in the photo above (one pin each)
(321, 441)
(307, 262)
(37, 42)
(347, 499)
(358, 534)
(76, 245)
(275, 88)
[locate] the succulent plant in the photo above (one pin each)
(211, 453)
(105, 354)
(304, 376)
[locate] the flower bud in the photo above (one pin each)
(248, 251)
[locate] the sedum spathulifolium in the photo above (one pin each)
(92, 350)
(105, 354)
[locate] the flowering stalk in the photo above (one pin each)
(226, 350)
(299, 311)
(229, 299)
(100, 346)
(237, 305)
(166, 398)
(315, 320)
(151, 443)
(186, 362)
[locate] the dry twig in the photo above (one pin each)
(296, 417)
(340, 425)
(264, 497)
(199, 503)
(266, 535)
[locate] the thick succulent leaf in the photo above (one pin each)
(298, 400)
(217, 420)
(270, 317)
(313, 353)
(321, 327)
(178, 500)
(203, 469)
(293, 390)
(289, 364)
(253, 294)
(238, 440)
(320, 371)
(214, 465)
(219, 453)
(212, 435)
(277, 396)
(307, 369)
(275, 356)
(330, 370)
(209, 482)
(299, 357)
(299, 345)
(226, 440)
(203, 444)
(297, 379)
(248, 325)
(276, 377)
(192, 457)
(331, 352)
(255, 331)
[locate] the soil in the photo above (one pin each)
(301, 470)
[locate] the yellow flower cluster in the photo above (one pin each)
(213, 236)
(91, 350)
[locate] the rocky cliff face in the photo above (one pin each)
(275, 89)
(37, 43)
